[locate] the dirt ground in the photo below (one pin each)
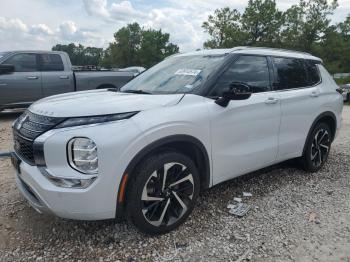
(295, 216)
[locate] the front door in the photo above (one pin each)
(245, 133)
(23, 86)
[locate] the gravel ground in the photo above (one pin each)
(295, 216)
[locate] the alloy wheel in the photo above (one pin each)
(320, 147)
(167, 194)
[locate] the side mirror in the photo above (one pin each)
(7, 69)
(237, 91)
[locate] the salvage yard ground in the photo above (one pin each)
(295, 216)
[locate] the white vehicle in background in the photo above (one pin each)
(187, 124)
(345, 90)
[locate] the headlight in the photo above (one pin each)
(88, 120)
(82, 155)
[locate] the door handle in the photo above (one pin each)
(3, 84)
(32, 77)
(271, 100)
(64, 77)
(314, 94)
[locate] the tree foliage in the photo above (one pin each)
(80, 55)
(135, 46)
(305, 26)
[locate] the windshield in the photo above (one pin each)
(180, 74)
(2, 54)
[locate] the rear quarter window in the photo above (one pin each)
(290, 73)
(313, 73)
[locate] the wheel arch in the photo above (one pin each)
(326, 117)
(186, 144)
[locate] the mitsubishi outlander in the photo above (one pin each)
(188, 123)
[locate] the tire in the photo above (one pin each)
(317, 148)
(155, 207)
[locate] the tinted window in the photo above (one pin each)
(313, 73)
(51, 62)
(250, 70)
(291, 73)
(23, 62)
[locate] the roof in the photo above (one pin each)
(34, 51)
(255, 51)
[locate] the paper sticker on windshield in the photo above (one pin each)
(188, 72)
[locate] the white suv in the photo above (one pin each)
(187, 124)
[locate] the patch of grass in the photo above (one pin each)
(343, 81)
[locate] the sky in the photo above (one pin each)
(40, 24)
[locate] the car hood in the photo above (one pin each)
(100, 102)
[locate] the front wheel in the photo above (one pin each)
(163, 192)
(317, 148)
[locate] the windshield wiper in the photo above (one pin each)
(136, 92)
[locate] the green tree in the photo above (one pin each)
(305, 26)
(80, 55)
(306, 23)
(224, 27)
(262, 22)
(154, 47)
(136, 46)
(334, 47)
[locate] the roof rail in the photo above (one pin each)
(269, 48)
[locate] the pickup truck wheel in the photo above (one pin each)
(317, 148)
(163, 192)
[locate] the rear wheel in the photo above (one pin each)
(163, 192)
(317, 148)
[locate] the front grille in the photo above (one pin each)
(27, 128)
(24, 148)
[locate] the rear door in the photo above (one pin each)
(24, 85)
(56, 79)
(297, 83)
(245, 133)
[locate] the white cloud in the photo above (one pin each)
(15, 25)
(41, 29)
(68, 28)
(182, 23)
(19, 35)
(124, 11)
(93, 22)
(96, 7)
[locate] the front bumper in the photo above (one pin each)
(95, 202)
(44, 197)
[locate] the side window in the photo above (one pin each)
(23, 62)
(250, 70)
(51, 62)
(313, 73)
(291, 73)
